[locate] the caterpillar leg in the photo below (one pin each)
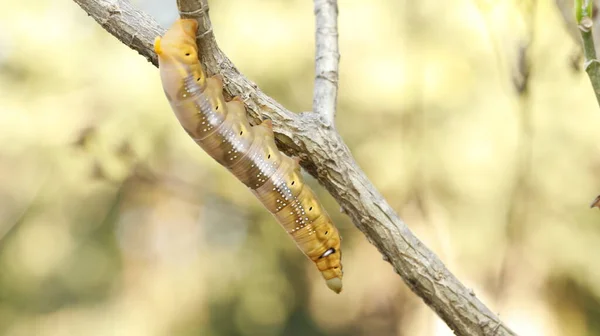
(267, 126)
(237, 108)
(268, 123)
(297, 161)
(218, 79)
(214, 86)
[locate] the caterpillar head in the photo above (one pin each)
(178, 56)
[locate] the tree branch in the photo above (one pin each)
(327, 59)
(325, 156)
(583, 15)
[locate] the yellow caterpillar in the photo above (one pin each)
(248, 152)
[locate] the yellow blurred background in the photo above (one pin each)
(112, 221)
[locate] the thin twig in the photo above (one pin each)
(521, 193)
(325, 156)
(327, 59)
(583, 15)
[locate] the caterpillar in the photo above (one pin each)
(249, 152)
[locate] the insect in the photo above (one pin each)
(249, 152)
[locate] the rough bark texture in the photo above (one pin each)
(324, 155)
(327, 59)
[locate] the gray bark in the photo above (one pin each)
(326, 59)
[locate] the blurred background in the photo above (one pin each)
(472, 117)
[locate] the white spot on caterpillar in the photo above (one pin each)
(327, 253)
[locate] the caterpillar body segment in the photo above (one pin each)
(249, 152)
